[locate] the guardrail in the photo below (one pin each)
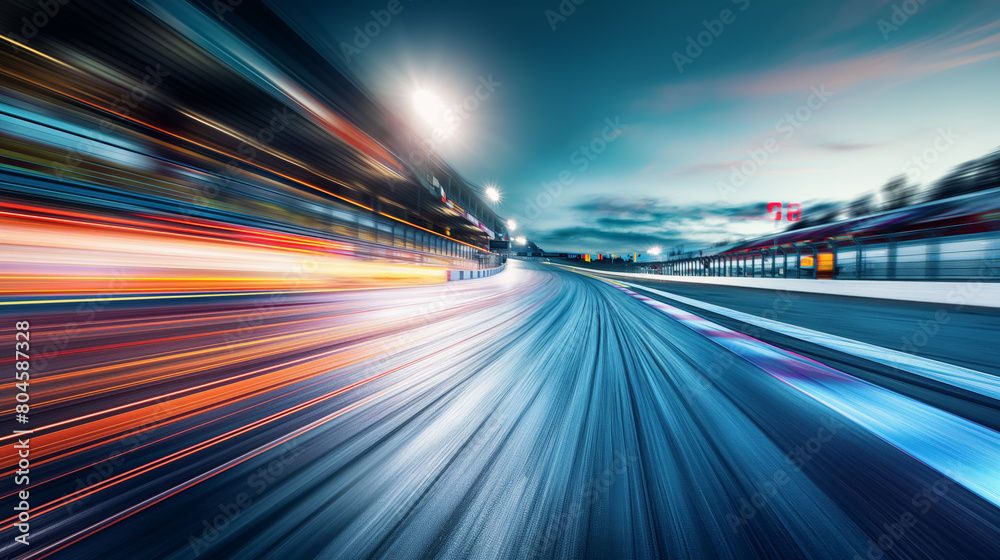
(455, 275)
(881, 257)
(424, 246)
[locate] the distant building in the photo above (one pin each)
(511, 248)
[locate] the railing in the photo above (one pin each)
(883, 257)
(381, 236)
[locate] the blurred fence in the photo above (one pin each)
(881, 257)
(381, 237)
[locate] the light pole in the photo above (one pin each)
(492, 193)
(520, 240)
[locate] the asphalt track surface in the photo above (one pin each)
(959, 333)
(539, 413)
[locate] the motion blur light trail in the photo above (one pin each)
(535, 414)
(233, 259)
(53, 252)
(208, 129)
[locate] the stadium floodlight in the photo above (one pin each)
(429, 106)
(492, 193)
(511, 225)
(521, 240)
(654, 251)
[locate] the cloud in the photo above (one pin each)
(646, 209)
(849, 146)
(853, 13)
(706, 167)
(726, 167)
(799, 171)
(629, 224)
(620, 225)
(592, 239)
(892, 65)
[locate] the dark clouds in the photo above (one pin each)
(623, 224)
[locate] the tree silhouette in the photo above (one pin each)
(972, 176)
(897, 193)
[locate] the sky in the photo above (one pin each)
(616, 126)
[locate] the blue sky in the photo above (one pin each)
(894, 80)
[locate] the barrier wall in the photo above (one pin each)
(455, 275)
(973, 293)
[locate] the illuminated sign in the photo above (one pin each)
(793, 215)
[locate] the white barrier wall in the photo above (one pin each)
(454, 275)
(974, 293)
